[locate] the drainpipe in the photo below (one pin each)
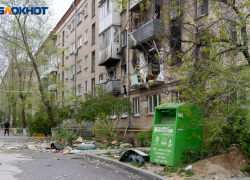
(75, 58)
(127, 66)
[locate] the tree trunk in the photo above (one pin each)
(14, 124)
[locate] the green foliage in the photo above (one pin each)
(189, 172)
(40, 124)
(65, 135)
(246, 169)
(144, 138)
(189, 157)
(100, 109)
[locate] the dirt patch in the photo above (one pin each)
(221, 166)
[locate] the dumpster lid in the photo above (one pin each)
(170, 106)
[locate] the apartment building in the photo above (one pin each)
(85, 50)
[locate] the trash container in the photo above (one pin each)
(177, 127)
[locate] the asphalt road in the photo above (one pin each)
(26, 164)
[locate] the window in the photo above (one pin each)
(153, 101)
(67, 52)
(72, 70)
(63, 58)
(124, 38)
(79, 90)
(100, 78)
(93, 8)
(93, 34)
(79, 18)
(63, 38)
(86, 10)
(86, 87)
(124, 72)
(112, 74)
(93, 87)
(67, 73)
(79, 42)
(202, 8)
(105, 9)
(72, 47)
(59, 40)
(176, 97)
(79, 66)
(86, 62)
(136, 104)
(234, 31)
(86, 36)
(93, 61)
(116, 34)
(73, 24)
(104, 39)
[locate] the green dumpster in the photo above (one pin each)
(177, 127)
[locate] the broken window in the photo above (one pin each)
(112, 74)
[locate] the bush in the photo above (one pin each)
(65, 135)
(246, 169)
(144, 138)
(189, 157)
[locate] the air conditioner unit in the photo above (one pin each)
(71, 77)
(75, 52)
(69, 26)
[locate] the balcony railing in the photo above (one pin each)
(147, 31)
(112, 86)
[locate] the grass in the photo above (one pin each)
(108, 153)
(180, 171)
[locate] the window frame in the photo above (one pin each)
(93, 62)
(79, 89)
(136, 106)
(86, 36)
(79, 65)
(86, 62)
(86, 10)
(158, 96)
(79, 42)
(86, 87)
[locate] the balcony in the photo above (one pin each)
(147, 32)
(109, 54)
(112, 86)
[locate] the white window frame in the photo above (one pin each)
(79, 40)
(72, 70)
(124, 38)
(86, 10)
(79, 90)
(67, 52)
(86, 62)
(136, 106)
(72, 47)
(158, 103)
(79, 66)
(79, 18)
(86, 36)
(100, 78)
(86, 87)
(73, 24)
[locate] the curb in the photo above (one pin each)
(127, 167)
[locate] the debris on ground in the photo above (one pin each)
(56, 146)
(222, 166)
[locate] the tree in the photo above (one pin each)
(28, 33)
(100, 109)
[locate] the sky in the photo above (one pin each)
(60, 7)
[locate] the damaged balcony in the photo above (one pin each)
(146, 32)
(145, 23)
(148, 71)
(112, 86)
